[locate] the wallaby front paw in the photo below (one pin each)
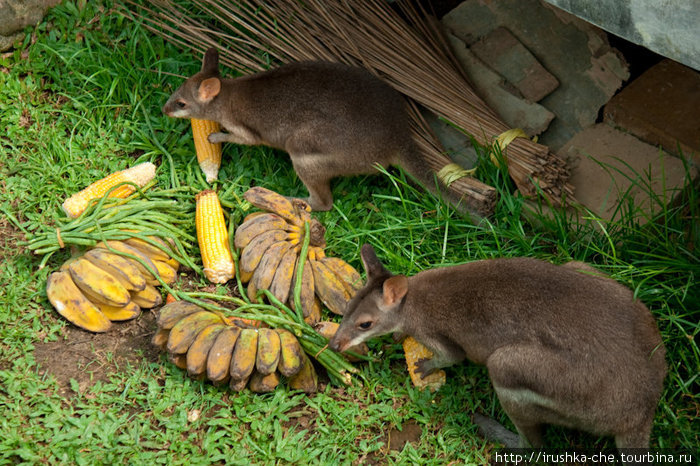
(216, 138)
(425, 367)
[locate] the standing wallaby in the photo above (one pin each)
(562, 346)
(333, 120)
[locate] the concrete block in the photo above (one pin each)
(661, 107)
(628, 164)
(668, 27)
(514, 111)
(457, 144)
(576, 53)
(508, 57)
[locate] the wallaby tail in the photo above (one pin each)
(416, 166)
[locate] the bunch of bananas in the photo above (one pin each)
(229, 350)
(270, 244)
(102, 286)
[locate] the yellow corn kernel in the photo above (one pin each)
(213, 238)
(138, 174)
(415, 351)
(208, 154)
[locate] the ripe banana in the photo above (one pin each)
(238, 385)
(70, 302)
(124, 248)
(263, 383)
(347, 274)
(253, 252)
(243, 358)
(291, 353)
(272, 202)
(268, 355)
(153, 252)
(306, 379)
(119, 267)
(282, 281)
(172, 313)
(116, 314)
(307, 290)
(198, 351)
(329, 288)
(166, 271)
(315, 314)
(97, 284)
(265, 271)
(160, 338)
(186, 330)
(219, 358)
(180, 360)
(256, 226)
(147, 298)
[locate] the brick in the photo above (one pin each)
(661, 107)
(600, 189)
(508, 57)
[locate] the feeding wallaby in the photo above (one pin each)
(333, 120)
(561, 345)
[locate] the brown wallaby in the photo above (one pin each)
(562, 345)
(333, 120)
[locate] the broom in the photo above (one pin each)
(414, 58)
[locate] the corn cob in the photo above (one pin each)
(139, 174)
(208, 154)
(414, 352)
(213, 238)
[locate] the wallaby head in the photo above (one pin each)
(374, 310)
(194, 98)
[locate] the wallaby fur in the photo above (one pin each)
(563, 345)
(333, 120)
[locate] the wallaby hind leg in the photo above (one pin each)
(523, 377)
(319, 186)
(634, 445)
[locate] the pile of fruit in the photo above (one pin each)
(111, 282)
(230, 350)
(270, 245)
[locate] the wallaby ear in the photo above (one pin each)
(210, 62)
(394, 289)
(208, 89)
(372, 266)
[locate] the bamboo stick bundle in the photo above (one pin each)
(415, 59)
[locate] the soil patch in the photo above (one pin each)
(410, 433)
(88, 357)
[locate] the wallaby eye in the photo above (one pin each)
(365, 325)
(180, 104)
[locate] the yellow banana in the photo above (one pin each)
(147, 298)
(243, 358)
(152, 251)
(180, 360)
(251, 216)
(329, 288)
(265, 271)
(307, 290)
(282, 281)
(160, 338)
(198, 351)
(264, 383)
(124, 248)
(272, 202)
(306, 379)
(128, 312)
(172, 313)
(253, 252)
(186, 330)
(256, 226)
(268, 355)
(291, 353)
(348, 275)
(237, 385)
(69, 301)
(219, 358)
(315, 314)
(100, 285)
(166, 272)
(119, 267)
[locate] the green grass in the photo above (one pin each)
(85, 101)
